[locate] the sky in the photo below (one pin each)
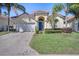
(30, 7)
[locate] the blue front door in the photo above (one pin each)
(41, 25)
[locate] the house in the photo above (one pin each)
(59, 21)
(74, 23)
(23, 23)
(71, 22)
(28, 22)
(41, 18)
(4, 23)
(38, 19)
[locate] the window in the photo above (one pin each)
(64, 22)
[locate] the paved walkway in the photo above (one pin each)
(16, 44)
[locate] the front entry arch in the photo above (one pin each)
(41, 23)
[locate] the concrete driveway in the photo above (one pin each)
(15, 44)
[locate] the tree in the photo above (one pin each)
(17, 6)
(50, 19)
(74, 9)
(66, 13)
(1, 5)
(5, 13)
(55, 10)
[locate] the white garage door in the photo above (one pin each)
(26, 27)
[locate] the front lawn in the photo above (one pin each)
(56, 43)
(3, 33)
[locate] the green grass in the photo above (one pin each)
(3, 33)
(56, 43)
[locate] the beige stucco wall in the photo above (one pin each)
(60, 23)
(48, 25)
(37, 16)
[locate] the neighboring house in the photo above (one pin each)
(4, 23)
(74, 23)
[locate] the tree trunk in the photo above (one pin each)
(66, 19)
(54, 24)
(53, 21)
(8, 19)
(0, 11)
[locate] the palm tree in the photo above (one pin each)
(8, 9)
(50, 20)
(1, 5)
(5, 13)
(17, 7)
(55, 10)
(9, 5)
(15, 10)
(66, 13)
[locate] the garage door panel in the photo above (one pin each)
(27, 27)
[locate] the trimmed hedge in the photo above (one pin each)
(58, 30)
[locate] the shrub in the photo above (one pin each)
(57, 28)
(36, 30)
(67, 30)
(53, 31)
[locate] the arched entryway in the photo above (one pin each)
(41, 23)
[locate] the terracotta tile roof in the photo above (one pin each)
(4, 20)
(70, 18)
(24, 15)
(19, 15)
(59, 15)
(23, 18)
(3, 17)
(31, 16)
